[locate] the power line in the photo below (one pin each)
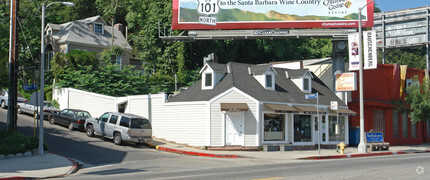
(25, 39)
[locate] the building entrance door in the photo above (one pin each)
(234, 125)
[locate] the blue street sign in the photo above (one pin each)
(311, 96)
(29, 87)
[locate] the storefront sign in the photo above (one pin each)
(346, 82)
(270, 14)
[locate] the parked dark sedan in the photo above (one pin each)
(72, 118)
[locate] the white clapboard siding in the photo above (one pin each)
(95, 104)
(61, 95)
(217, 128)
(138, 105)
(183, 123)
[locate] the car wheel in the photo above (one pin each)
(71, 126)
(3, 104)
(90, 131)
(117, 139)
(52, 120)
(19, 110)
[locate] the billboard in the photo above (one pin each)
(269, 14)
(402, 28)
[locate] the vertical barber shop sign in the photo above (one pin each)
(208, 8)
(370, 52)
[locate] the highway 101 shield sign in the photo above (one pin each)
(208, 8)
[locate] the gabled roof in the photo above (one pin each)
(79, 32)
(260, 69)
(285, 89)
(309, 62)
(297, 73)
(215, 67)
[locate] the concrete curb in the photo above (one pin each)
(13, 178)
(363, 155)
(311, 157)
(74, 168)
(191, 152)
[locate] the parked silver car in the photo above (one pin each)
(4, 98)
(120, 127)
(28, 108)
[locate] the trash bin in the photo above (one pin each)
(354, 135)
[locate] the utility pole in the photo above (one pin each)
(13, 67)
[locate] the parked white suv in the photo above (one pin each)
(120, 127)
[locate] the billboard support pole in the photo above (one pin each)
(383, 39)
(427, 46)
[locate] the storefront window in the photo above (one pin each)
(302, 128)
(395, 123)
(332, 128)
(274, 127)
(428, 127)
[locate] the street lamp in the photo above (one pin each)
(361, 146)
(42, 70)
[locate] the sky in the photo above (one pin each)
(393, 5)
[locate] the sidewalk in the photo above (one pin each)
(350, 152)
(53, 165)
(36, 166)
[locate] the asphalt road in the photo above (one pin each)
(104, 160)
(100, 156)
(91, 151)
(411, 166)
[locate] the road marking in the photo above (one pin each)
(272, 178)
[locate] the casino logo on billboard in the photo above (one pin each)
(269, 14)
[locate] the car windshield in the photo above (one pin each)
(140, 123)
(20, 95)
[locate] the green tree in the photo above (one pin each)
(107, 80)
(413, 57)
(110, 55)
(4, 50)
(418, 100)
(82, 9)
(75, 60)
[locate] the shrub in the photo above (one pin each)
(13, 142)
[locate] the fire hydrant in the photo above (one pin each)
(342, 147)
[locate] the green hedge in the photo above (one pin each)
(13, 142)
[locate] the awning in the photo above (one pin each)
(309, 109)
(281, 108)
(345, 112)
(234, 107)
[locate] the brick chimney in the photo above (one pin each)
(120, 27)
